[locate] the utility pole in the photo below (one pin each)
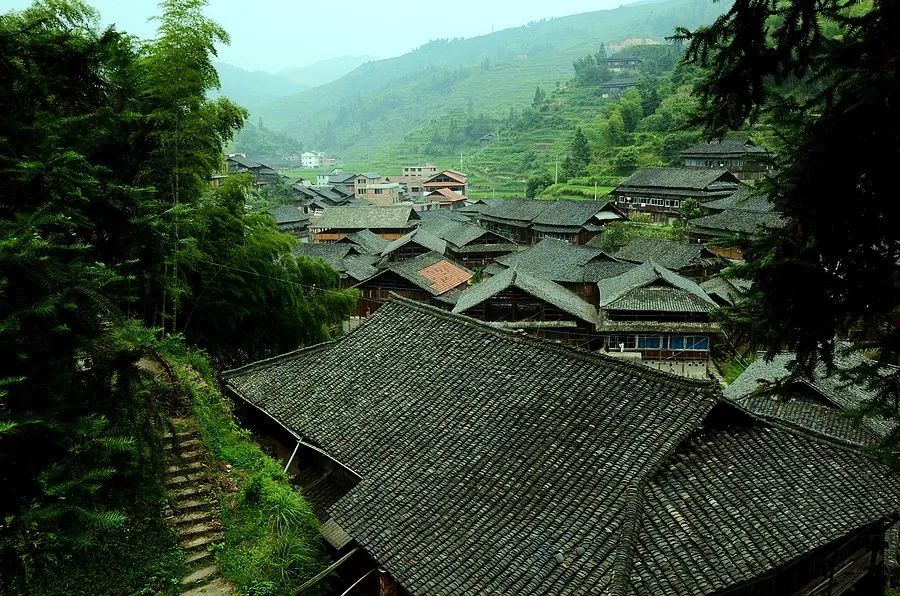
(595, 190)
(556, 173)
(460, 161)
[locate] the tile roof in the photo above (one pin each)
(545, 215)
(367, 241)
(361, 218)
(823, 403)
(720, 148)
(461, 233)
(688, 179)
(668, 253)
(420, 237)
(470, 451)
(286, 214)
(445, 195)
(343, 258)
(737, 221)
(432, 272)
(452, 174)
(652, 287)
(492, 462)
(728, 290)
(561, 261)
(546, 290)
(743, 199)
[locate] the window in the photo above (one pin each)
(696, 342)
(379, 191)
(628, 342)
(649, 342)
(676, 342)
(676, 203)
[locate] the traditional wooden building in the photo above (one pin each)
(516, 299)
(469, 244)
(429, 278)
(622, 63)
(448, 179)
(415, 243)
(262, 174)
(446, 198)
(660, 316)
(661, 191)
(366, 242)
(458, 458)
(740, 156)
(614, 88)
(291, 220)
(575, 267)
(388, 222)
(352, 264)
(693, 261)
(730, 219)
(528, 221)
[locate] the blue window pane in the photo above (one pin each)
(676, 342)
(697, 343)
(649, 342)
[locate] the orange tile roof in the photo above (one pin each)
(444, 276)
(447, 195)
(452, 174)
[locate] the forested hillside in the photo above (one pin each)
(381, 102)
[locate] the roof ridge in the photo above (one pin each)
(584, 355)
(256, 364)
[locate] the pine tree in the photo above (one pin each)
(580, 150)
(539, 96)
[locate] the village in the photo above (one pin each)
(505, 341)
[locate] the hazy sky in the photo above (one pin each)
(276, 34)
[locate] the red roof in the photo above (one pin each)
(445, 195)
(444, 276)
(452, 174)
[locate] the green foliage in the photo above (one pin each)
(539, 97)
(626, 160)
(271, 535)
(256, 140)
(822, 73)
(618, 234)
(536, 184)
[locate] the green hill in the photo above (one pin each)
(381, 102)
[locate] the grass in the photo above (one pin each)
(732, 369)
(271, 535)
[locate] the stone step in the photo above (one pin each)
(200, 556)
(182, 445)
(193, 517)
(187, 505)
(190, 531)
(201, 542)
(217, 587)
(190, 492)
(180, 435)
(174, 470)
(201, 575)
(183, 480)
(188, 456)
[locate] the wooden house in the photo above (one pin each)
(693, 261)
(575, 267)
(438, 449)
(661, 191)
(659, 316)
(291, 220)
(528, 221)
(515, 299)
(262, 174)
(389, 222)
(352, 264)
(429, 277)
(448, 179)
(446, 198)
(467, 243)
(617, 87)
(736, 216)
(411, 245)
(622, 63)
(740, 156)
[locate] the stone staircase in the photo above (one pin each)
(193, 510)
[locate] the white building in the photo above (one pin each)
(315, 159)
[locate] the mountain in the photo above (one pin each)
(251, 88)
(324, 71)
(381, 102)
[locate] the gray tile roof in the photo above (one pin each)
(410, 270)
(286, 214)
(737, 221)
(686, 179)
(668, 253)
(547, 215)
(548, 291)
(736, 147)
(343, 258)
(492, 462)
(560, 261)
(743, 199)
(651, 287)
(367, 241)
(823, 403)
(361, 218)
(460, 234)
(728, 290)
(420, 237)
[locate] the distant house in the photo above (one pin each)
(388, 222)
(452, 457)
(660, 316)
(575, 267)
(411, 185)
(429, 277)
(366, 242)
(616, 87)
(446, 198)
(337, 178)
(315, 159)
(528, 221)
(291, 220)
(413, 244)
(516, 299)
(262, 174)
(690, 260)
(622, 63)
(738, 215)
(420, 172)
(661, 191)
(726, 291)
(740, 156)
(449, 179)
(352, 264)
(469, 244)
